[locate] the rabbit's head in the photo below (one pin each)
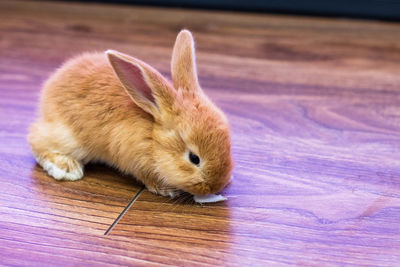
(191, 140)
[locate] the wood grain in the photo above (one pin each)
(315, 111)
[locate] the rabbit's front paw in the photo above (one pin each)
(164, 191)
(61, 167)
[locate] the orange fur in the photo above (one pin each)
(128, 115)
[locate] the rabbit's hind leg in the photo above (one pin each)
(56, 150)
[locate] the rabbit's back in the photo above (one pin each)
(86, 96)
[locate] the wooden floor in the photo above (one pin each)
(314, 106)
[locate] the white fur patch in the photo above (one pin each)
(209, 198)
(53, 170)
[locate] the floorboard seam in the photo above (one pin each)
(124, 211)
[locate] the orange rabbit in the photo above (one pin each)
(126, 114)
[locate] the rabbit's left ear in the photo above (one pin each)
(145, 85)
(183, 63)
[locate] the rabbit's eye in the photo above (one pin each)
(194, 158)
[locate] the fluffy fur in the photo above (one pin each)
(117, 109)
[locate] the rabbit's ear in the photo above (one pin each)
(145, 85)
(183, 63)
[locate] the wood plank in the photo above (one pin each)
(314, 107)
(263, 230)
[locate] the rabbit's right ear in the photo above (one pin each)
(183, 63)
(145, 85)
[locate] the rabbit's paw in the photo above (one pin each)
(61, 167)
(164, 191)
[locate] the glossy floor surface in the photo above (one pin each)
(314, 106)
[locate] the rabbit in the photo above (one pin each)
(113, 108)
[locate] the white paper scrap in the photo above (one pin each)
(209, 198)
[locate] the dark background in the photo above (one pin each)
(375, 9)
